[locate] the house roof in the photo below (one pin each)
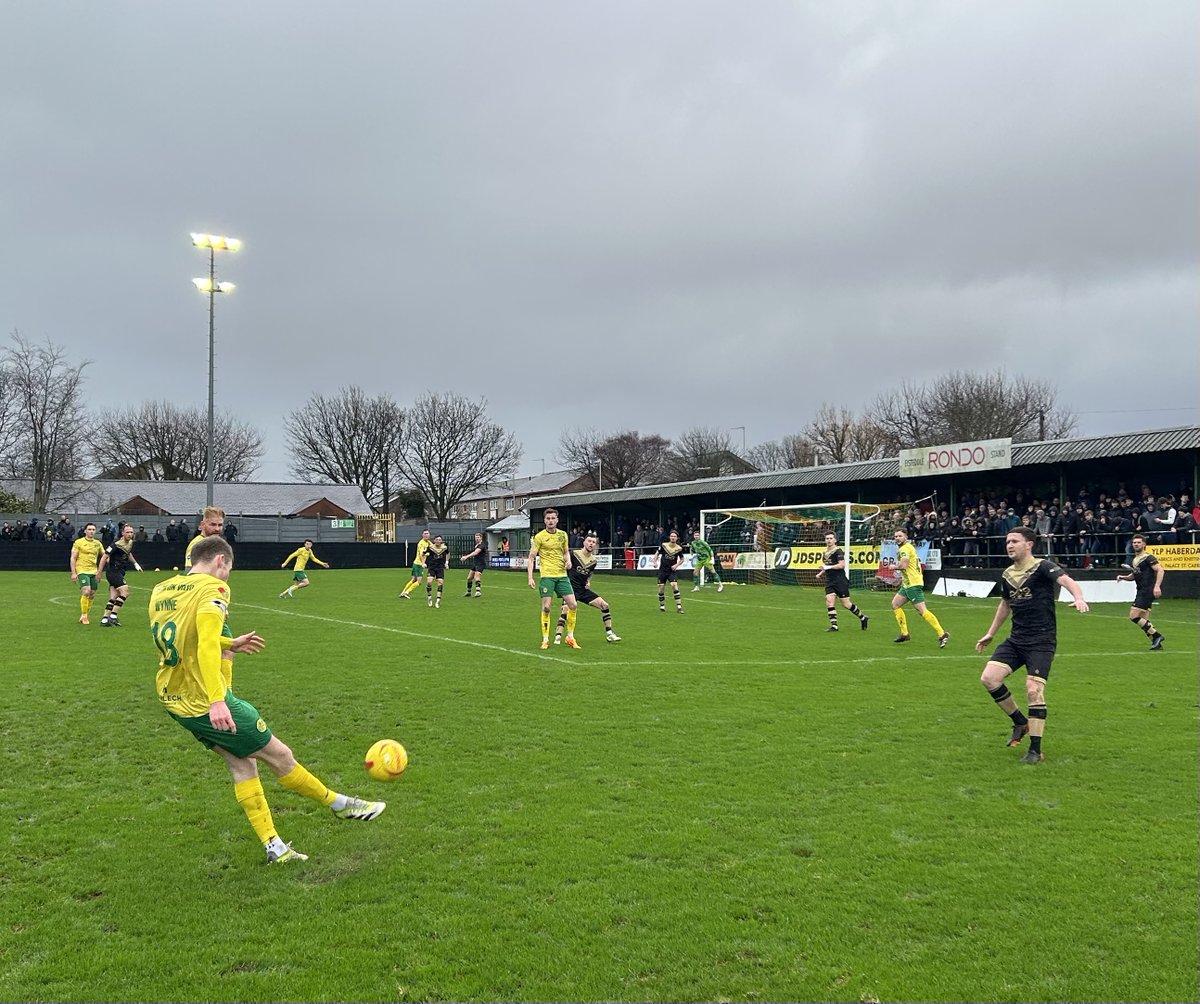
(540, 484)
(185, 498)
(517, 521)
(1023, 455)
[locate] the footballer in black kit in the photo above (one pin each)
(1028, 593)
(1031, 597)
(1147, 573)
(837, 583)
(478, 557)
(583, 563)
(114, 563)
(435, 569)
(670, 553)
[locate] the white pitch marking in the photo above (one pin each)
(411, 634)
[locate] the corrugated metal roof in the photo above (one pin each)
(186, 498)
(1024, 454)
(1059, 451)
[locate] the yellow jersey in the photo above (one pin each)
(423, 545)
(187, 621)
(912, 575)
(551, 547)
(303, 556)
(87, 555)
(187, 555)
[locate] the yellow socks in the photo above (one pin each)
(901, 619)
(85, 604)
(546, 622)
(303, 783)
(571, 615)
(932, 621)
(254, 804)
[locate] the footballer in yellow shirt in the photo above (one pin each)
(85, 568)
(212, 522)
(418, 568)
(187, 621)
(302, 556)
(912, 590)
(552, 547)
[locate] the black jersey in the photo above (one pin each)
(435, 559)
(1145, 571)
(669, 555)
(580, 572)
(1031, 593)
(120, 555)
(834, 576)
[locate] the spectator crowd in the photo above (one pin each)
(1091, 530)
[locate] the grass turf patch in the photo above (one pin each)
(731, 804)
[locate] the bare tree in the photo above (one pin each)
(699, 452)
(795, 450)
(350, 439)
(47, 400)
(838, 437)
(449, 448)
(8, 417)
(629, 458)
(579, 450)
(962, 406)
(159, 441)
(868, 441)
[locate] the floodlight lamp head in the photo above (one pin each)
(217, 242)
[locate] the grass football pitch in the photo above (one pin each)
(729, 805)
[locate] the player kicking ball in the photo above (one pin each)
(194, 684)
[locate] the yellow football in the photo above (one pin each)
(386, 760)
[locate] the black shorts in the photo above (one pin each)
(1144, 601)
(1035, 660)
(479, 564)
(666, 575)
(841, 589)
(115, 579)
(585, 595)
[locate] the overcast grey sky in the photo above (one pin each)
(620, 214)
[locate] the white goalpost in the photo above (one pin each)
(786, 544)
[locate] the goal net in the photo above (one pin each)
(785, 545)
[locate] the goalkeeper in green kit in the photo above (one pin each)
(703, 558)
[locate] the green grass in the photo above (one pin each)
(729, 805)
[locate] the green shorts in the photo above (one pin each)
(87, 579)
(300, 577)
(252, 732)
(914, 594)
(555, 585)
(418, 570)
